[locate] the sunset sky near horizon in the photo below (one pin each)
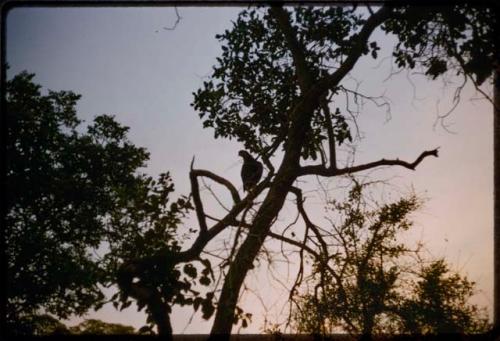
(123, 62)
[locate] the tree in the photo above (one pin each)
(76, 207)
(275, 90)
(98, 327)
(45, 324)
(60, 185)
(369, 283)
(276, 83)
(38, 325)
(440, 304)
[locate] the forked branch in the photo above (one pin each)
(206, 236)
(296, 48)
(198, 204)
(305, 217)
(219, 179)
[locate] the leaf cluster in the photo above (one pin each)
(146, 237)
(436, 37)
(60, 183)
(254, 88)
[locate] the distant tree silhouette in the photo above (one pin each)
(46, 325)
(98, 327)
(373, 283)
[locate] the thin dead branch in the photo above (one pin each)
(177, 21)
(323, 171)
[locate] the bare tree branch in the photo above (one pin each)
(379, 101)
(218, 179)
(238, 234)
(204, 238)
(331, 136)
(219, 201)
(270, 151)
(177, 21)
(307, 221)
(299, 60)
(205, 235)
(195, 190)
(300, 245)
(369, 8)
(323, 171)
(360, 40)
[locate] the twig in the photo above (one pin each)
(177, 21)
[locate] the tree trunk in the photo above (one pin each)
(268, 211)
(368, 323)
(162, 321)
(248, 251)
(300, 120)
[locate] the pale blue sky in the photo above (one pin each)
(119, 63)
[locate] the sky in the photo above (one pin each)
(123, 62)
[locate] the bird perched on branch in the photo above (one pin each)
(251, 171)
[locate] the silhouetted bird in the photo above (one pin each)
(251, 171)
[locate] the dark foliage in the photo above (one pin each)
(76, 207)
